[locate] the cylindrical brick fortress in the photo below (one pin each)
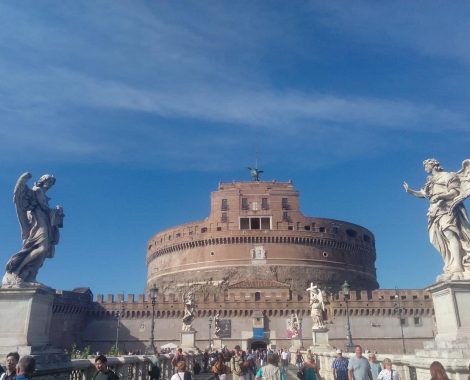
(256, 230)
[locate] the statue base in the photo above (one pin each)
(24, 327)
(217, 344)
(451, 305)
(188, 341)
(296, 344)
(320, 339)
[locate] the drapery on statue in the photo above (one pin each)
(317, 307)
(294, 325)
(448, 224)
(39, 231)
(189, 311)
(217, 328)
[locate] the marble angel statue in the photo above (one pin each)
(448, 224)
(39, 231)
(189, 311)
(317, 307)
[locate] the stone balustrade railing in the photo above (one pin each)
(130, 367)
(409, 367)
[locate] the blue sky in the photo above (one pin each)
(135, 105)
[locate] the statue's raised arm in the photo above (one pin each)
(39, 230)
(448, 224)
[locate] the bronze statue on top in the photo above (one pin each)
(39, 231)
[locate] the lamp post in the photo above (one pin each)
(398, 310)
(349, 344)
(153, 297)
(210, 335)
(119, 314)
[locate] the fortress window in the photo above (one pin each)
(255, 223)
(224, 217)
(285, 203)
(321, 229)
(290, 228)
(351, 233)
(178, 234)
(264, 204)
(245, 204)
(257, 297)
(417, 321)
(403, 321)
(307, 228)
(203, 229)
(224, 206)
(285, 216)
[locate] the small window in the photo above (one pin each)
(307, 228)
(245, 204)
(203, 229)
(244, 223)
(426, 297)
(257, 296)
(285, 203)
(255, 223)
(264, 204)
(219, 228)
(322, 229)
(265, 223)
(417, 321)
(285, 216)
(290, 228)
(224, 206)
(224, 218)
(178, 234)
(351, 233)
(402, 321)
(415, 297)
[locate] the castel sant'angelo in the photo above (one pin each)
(249, 263)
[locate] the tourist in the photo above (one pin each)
(340, 366)
(10, 366)
(299, 359)
(271, 371)
(177, 358)
(250, 366)
(375, 366)
(155, 368)
(103, 372)
(181, 373)
(310, 369)
(359, 367)
(220, 368)
(437, 371)
(388, 373)
(284, 359)
(25, 368)
(237, 364)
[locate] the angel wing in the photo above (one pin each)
(464, 176)
(320, 298)
(23, 198)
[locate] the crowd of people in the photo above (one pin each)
(241, 365)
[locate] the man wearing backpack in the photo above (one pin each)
(104, 373)
(154, 366)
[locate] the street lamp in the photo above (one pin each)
(349, 344)
(210, 335)
(119, 314)
(153, 296)
(398, 310)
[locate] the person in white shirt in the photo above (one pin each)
(388, 373)
(181, 373)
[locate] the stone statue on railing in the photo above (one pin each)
(294, 325)
(189, 310)
(317, 307)
(448, 224)
(39, 231)
(217, 327)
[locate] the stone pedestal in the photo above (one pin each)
(188, 341)
(320, 339)
(216, 344)
(25, 320)
(296, 344)
(452, 310)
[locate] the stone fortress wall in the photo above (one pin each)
(256, 230)
(374, 317)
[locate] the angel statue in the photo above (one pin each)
(189, 311)
(39, 231)
(448, 224)
(317, 307)
(217, 327)
(294, 325)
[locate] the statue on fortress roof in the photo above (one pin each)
(39, 231)
(448, 223)
(255, 173)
